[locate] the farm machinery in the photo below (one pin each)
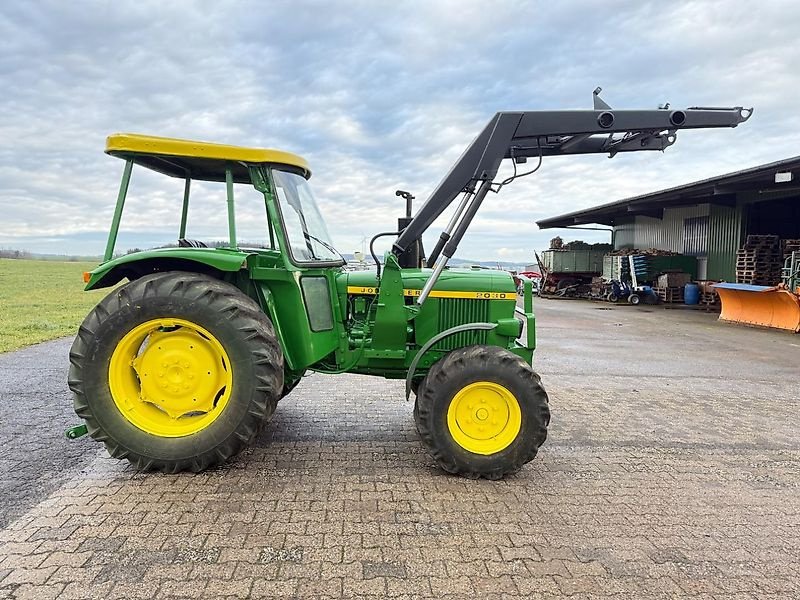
(628, 287)
(573, 273)
(776, 307)
(569, 271)
(181, 366)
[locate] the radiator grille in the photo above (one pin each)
(457, 311)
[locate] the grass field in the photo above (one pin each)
(42, 300)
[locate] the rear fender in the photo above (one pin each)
(211, 261)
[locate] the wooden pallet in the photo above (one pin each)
(709, 298)
(669, 295)
(772, 254)
(757, 266)
(762, 241)
(759, 261)
(758, 281)
(756, 272)
(790, 246)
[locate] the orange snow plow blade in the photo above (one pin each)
(759, 305)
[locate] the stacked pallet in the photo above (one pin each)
(669, 295)
(760, 260)
(789, 246)
(709, 299)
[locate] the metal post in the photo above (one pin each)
(123, 192)
(185, 210)
(231, 213)
(634, 278)
(271, 232)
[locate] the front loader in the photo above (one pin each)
(180, 367)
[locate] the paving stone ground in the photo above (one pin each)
(672, 470)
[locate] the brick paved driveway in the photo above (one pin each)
(672, 470)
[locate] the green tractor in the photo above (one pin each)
(180, 367)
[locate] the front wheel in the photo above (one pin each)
(481, 411)
(175, 371)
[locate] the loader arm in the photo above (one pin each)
(521, 135)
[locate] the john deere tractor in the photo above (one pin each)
(181, 366)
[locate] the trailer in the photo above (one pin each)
(568, 272)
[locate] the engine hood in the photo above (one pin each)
(465, 281)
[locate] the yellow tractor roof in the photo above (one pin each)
(199, 160)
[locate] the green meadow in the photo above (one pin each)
(42, 300)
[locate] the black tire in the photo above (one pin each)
(612, 297)
(461, 368)
(234, 319)
(634, 299)
(567, 282)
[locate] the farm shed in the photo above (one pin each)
(709, 219)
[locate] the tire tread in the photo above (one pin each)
(259, 336)
(452, 366)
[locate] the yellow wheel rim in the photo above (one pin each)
(170, 377)
(484, 417)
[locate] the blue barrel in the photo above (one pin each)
(691, 293)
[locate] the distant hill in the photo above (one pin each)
(25, 255)
(454, 262)
(459, 262)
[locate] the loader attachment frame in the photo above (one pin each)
(522, 135)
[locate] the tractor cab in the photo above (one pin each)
(305, 239)
(293, 276)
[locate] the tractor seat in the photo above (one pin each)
(184, 243)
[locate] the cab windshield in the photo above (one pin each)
(305, 229)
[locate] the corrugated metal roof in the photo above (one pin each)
(716, 190)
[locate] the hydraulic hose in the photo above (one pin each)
(372, 250)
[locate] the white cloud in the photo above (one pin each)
(377, 97)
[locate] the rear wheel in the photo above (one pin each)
(176, 371)
(481, 411)
(566, 283)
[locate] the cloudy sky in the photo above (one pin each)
(377, 96)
